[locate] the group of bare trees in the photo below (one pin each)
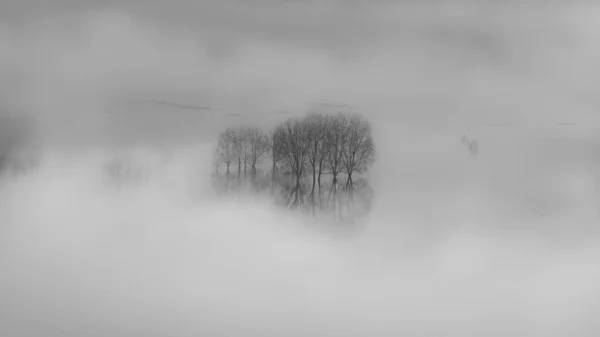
(244, 146)
(314, 159)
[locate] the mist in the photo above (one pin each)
(501, 243)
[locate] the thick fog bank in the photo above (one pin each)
(166, 258)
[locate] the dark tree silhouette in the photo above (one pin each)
(290, 145)
(303, 151)
(316, 128)
(241, 149)
(358, 150)
(226, 147)
(258, 146)
(337, 131)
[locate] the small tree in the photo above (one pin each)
(335, 137)
(226, 147)
(274, 153)
(241, 149)
(358, 150)
(315, 124)
(258, 146)
(290, 145)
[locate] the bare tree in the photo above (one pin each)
(241, 149)
(317, 143)
(226, 147)
(244, 147)
(290, 145)
(315, 124)
(258, 146)
(274, 154)
(358, 150)
(325, 150)
(335, 138)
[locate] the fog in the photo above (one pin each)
(503, 243)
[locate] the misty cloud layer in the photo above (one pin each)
(502, 243)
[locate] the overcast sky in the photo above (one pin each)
(442, 64)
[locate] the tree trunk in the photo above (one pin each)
(273, 176)
(253, 171)
(333, 194)
(350, 186)
(297, 196)
(319, 180)
(334, 180)
(274, 160)
(314, 182)
(333, 190)
(320, 194)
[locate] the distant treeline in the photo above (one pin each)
(315, 162)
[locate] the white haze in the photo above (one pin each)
(502, 244)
